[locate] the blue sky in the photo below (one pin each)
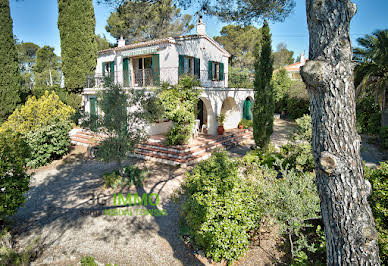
(36, 21)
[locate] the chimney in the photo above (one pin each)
(302, 58)
(201, 27)
(121, 42)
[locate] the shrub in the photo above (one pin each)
(368, 115)
(37, 113)
(179, 103)
(13, 178)
(246, 123)
(297, 107)
(303, 129)
(384, 137)
(220, 208)
(130, 175)
(378, 201)
(298, 156)
(48, 142)
(239, 78)
(88, 261)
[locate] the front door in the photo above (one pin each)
(200, 112)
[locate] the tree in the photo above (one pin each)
(76, 23)
(27, 56)
(126, 114)
(102, 42)
(263, 108)
(372, 71)
(351, 235)
(10, 88)
(282, 56)
(141, 21)
(47, 68)
(240, 42)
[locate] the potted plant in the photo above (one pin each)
(221, 120)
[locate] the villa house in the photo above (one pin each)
(293, 69)
(148, 64)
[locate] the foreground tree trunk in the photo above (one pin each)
(351, 235)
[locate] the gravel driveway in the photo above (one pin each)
(70, 225)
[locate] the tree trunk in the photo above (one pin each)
(351, 235)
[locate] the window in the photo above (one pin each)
(143, 71)
(216, 71)
(189, 65)
(108, 69)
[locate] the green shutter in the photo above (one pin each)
(112, 70)
(197, 71)
(103, 69)
(221, 71)
(93, 109)
(125, 72)
(209, 70)
(155, 70)
(181, 67)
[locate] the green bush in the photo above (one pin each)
(88, 261)
(298, 156)
(378, 201)
(384, 137)
(131, 175)
(303, 129)
(246, 123)
(13, 178)
(179, 104)
(368, 115)
(297, 107)
(48, 143)
(220, 208)
(239, 78)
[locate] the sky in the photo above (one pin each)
(36, 21)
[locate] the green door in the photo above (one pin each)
(247, 109)
(93, 107)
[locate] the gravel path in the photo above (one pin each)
(69, 225)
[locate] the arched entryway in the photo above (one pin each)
(204, 113)
(232, 113)
(247, 109)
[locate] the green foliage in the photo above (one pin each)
(282, 56)
(47, 68)
(88, 261)
(378, 201)
(141, 21)
(10, 88)
(246, 123)
(221, 119)
(384, 137)
(37, 113)
(297, 107)
(130, 175)
(304, 129)
(126, 113)
(220, 208)
(281, 84)
(76, 24)
(102, 42)
(368, 115)
(48, 142)
(263, 108)
(44, 124)
(239, 78)
(13, 178)
(240, 42)
(298, 156)
(179, 102)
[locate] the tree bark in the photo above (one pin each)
(351, 235)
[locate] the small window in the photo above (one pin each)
(216, 71)
(189, 65)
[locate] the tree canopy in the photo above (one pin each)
(9, 71)
(47, 67)
(102, 42)
(282, 56)
(76, 23)
(143, 20)
(240, 42)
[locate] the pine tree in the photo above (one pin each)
(9, 71)
(263, 108)
(76, 23)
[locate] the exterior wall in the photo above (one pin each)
(169, 53)
(216, 100)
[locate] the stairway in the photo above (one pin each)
(183, 155)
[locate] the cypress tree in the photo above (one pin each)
(76, 23)
(9, 67)
(263, 108)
